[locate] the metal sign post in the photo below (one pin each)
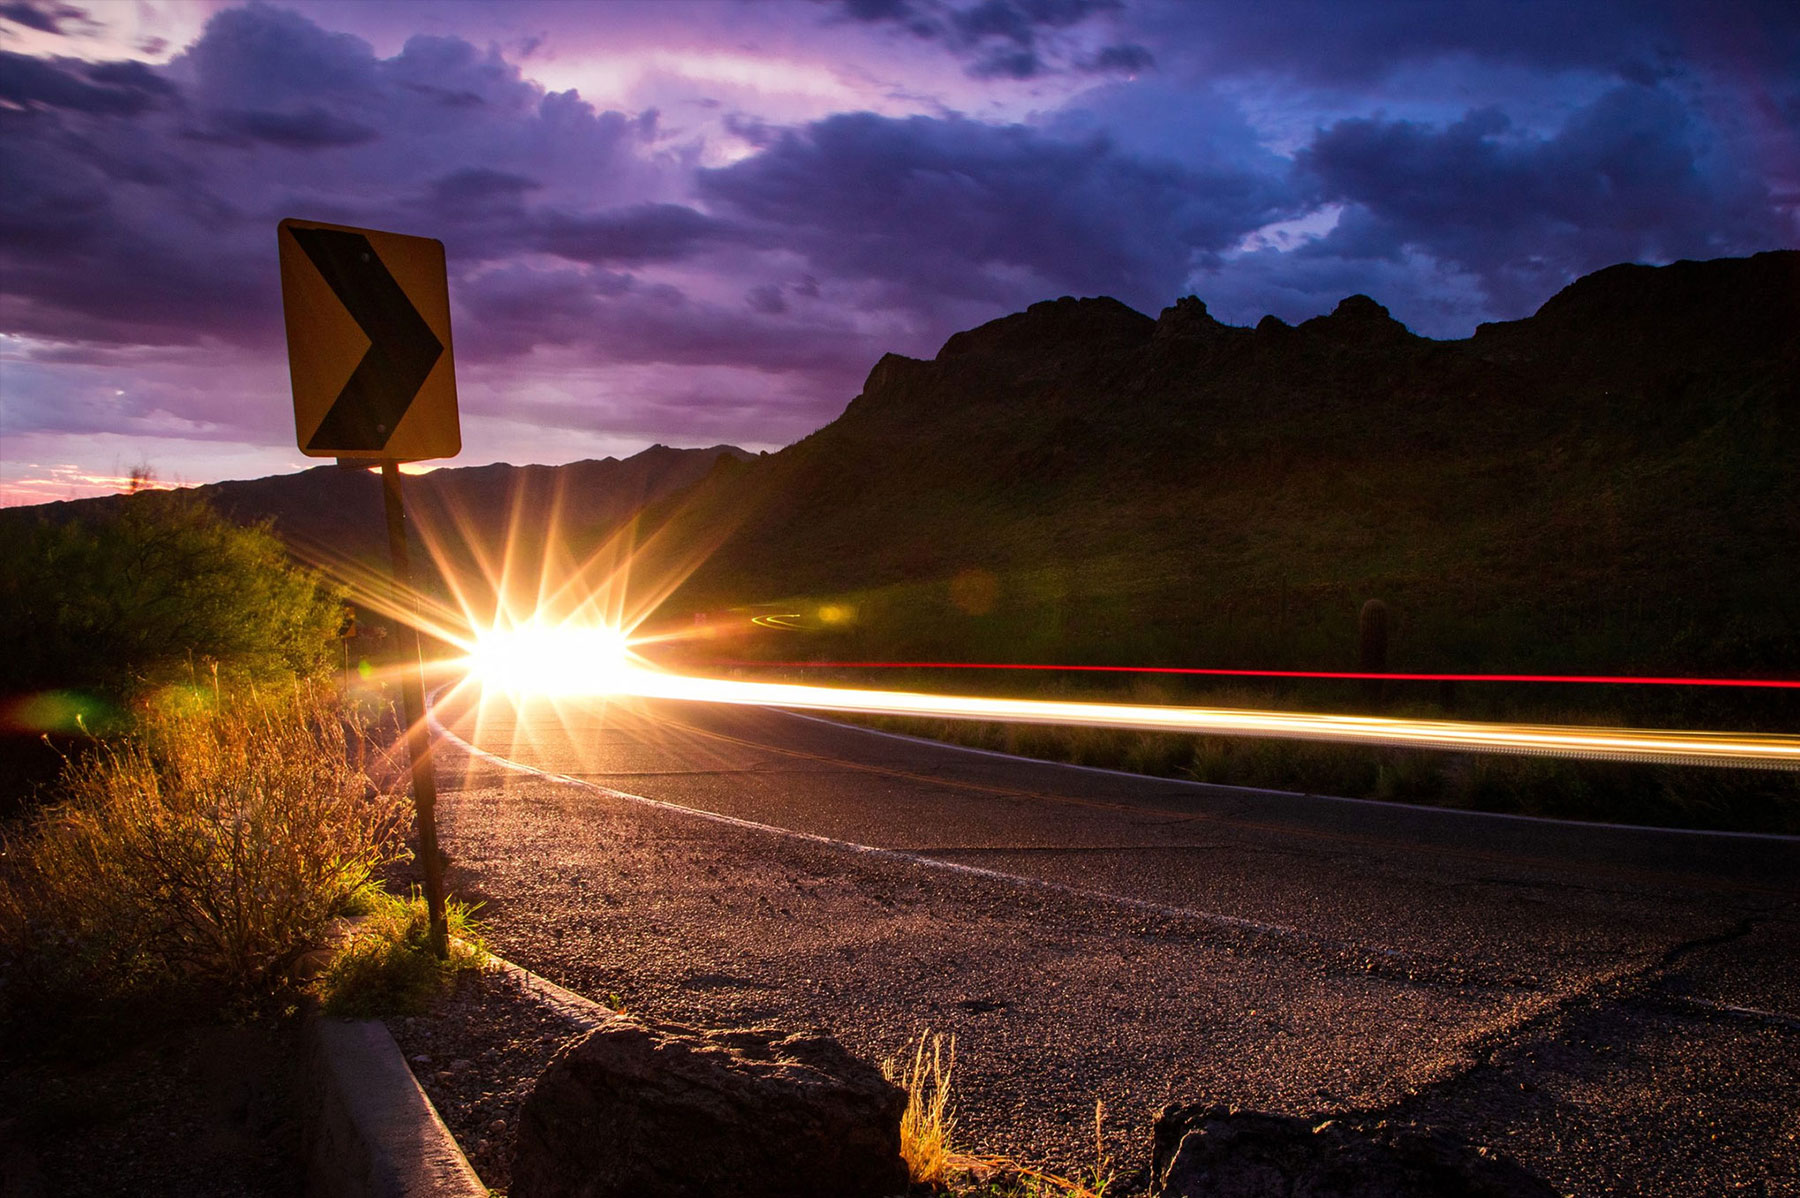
(368, 332)
(412, 698)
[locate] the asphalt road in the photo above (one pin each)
(1618, 1008)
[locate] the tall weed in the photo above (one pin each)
(928, 1125)
(203, 855)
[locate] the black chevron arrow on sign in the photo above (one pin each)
(402, 347)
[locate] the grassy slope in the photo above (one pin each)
(1608, 486)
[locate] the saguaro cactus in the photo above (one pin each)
(1372, 645)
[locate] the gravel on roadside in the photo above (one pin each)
(478, 1053)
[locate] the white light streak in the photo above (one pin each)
(1755, 750)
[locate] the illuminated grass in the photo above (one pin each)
(200, 859)
(929, 1123)
(386, 967)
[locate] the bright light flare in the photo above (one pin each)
(552, 659)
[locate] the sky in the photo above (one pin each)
(699, 221)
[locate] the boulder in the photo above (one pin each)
(638, 1110)
(1203, 1151)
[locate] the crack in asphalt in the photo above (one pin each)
(1627, 985)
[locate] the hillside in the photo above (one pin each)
(335, 516)
(466, 514)
(1609, 484)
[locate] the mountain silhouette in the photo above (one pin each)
(1609, 483)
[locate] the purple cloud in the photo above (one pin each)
(617, 317)
(672, 227)
(1002, 39)
(108, 89)
(641, 233)
(45, 18)
(147, 197)
(1354, 45)
(1634, 176)
(957, 209)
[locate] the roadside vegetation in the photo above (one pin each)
(192, 863)
(928, 1129)
(150, 589)
(188, 807)
(111, 603)
(385, 965)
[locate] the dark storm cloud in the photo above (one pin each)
(1352, 44)
(767, 299)
(45, 18)
(1637, 175)
(141, 201)
(999, 38)
(266, 58)
(307, 129)
(111, 89)
(1124, 58)
(956, 208)
(641, 233)
(479, 189)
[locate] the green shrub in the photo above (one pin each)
(201, 857)
(148, 589)
(387, 967)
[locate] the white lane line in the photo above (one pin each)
(1447, 812)
(1234, 922)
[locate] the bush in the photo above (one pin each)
(136, 592)
(387, 966)
(202, 856)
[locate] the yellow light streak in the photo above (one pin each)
(1755, 750)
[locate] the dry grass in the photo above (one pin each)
(928, 1123)
(206, 854)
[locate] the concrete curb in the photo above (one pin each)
(370, 1130)
(577, 1007)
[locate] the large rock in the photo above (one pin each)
(1205, 1151)
(639, 1110)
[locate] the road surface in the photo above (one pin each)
(1617, 1008)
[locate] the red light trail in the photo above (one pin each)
(1597, 679)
